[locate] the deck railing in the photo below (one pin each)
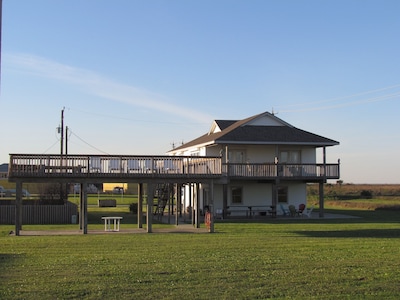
(30, 165)
(272, 170)
(120, 166)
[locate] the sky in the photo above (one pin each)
(137, 77)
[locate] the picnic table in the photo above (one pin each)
(114, 220)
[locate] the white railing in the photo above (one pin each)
(271, 170)
(31, 165)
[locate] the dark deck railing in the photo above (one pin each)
(290, 171)
(129, 166)
(109, 166)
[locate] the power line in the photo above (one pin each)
(56, 142)
(82, 140)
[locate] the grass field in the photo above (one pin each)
(280, 259)
(270, 259)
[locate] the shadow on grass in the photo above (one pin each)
(360, 233)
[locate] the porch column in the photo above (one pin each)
(149, 212)
(80, 206)
(324, 162)
(18, 207)
(275, 197)
(321, 199)
(169, 202)
(197, 211)
(178, 203)
(211, 206)
(84, 208)
(184, 202)
(140, 206)
(191, 203)
(224, 200)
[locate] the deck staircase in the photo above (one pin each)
(163, 195)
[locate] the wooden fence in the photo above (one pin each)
(40, 214)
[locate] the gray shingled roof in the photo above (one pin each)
(237, 132)
(4, 168)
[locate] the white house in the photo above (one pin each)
(267, 163)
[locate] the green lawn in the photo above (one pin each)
(280, 259)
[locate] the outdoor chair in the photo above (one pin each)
(133, 166)
(285, 212)
(95, 165)
(292, 210)
(302, 207)
(114, 165)
(307, 212)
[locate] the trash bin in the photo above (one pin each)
(73, 219)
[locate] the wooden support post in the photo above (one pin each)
(224, 201)
(275, 197)
(178, 203)
(179, 197)
(18, 207)
(149, 213)
(140, 206)
(212, 206)
(321, 199)
(184, 203)
(197, 217)
(191, 203)
(81, 206)
(169, 201)
(85, 208)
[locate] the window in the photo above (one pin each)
(282, 194)
(236, 195)
(291, 157)
(236, 156)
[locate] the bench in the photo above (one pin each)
(107, 223)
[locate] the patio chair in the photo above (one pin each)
(302, 207)
(133, 166)
(292, 210)
(114, 165)
(285, 212)
(95, 165)
(307, 212)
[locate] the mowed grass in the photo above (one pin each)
(280, 259)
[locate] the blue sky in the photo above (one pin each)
(136, 76)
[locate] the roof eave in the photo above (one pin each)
(278, 143)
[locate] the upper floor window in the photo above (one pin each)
(237, 156)
(290, 157)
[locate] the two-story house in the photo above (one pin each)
(267, 163)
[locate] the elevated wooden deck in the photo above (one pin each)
(112, 168)
(117, 168)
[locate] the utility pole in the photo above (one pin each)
(66, 140)
(62, 132)
(1, 20)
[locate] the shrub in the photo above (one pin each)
(366, 194)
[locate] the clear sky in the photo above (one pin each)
(137, 76)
